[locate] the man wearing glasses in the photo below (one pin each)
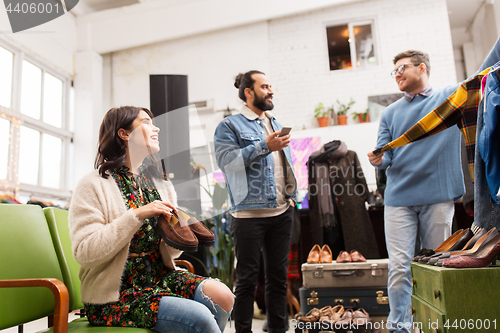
(423, 179)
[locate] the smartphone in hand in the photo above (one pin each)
(285, 131)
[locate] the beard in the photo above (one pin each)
(262, 104)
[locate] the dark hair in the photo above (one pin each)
(243, 81)
(111, 150)
(417, 58)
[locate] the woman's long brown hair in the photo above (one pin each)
(111, 150)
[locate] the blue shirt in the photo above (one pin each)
(428, 171)
(425, 172)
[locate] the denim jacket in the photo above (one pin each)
(242, 154)
(487, 143)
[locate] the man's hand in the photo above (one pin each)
(374, 159)
(277, 143)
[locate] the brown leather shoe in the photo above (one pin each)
(311, 316)
(331, 315)
(346, 318)
(313, 256)
(343, 256)
(356, 256)
(325, 256)
(204, 235)
(173, 234)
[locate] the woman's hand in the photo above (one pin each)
(154, 208)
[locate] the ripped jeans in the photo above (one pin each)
(183, 315)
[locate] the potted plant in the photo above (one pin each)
(364, 117)
(321, 113)
(342, 111)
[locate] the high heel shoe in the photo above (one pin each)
(428, 252)
(325, 256)
(447, 244)
(459, 245)
(479, 259)
(481, 243)
(471, 247)
(314, 254)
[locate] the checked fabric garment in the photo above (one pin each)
(460, 108)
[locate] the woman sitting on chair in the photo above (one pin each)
(127, 273)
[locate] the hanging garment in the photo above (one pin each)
(350, 193)
(489, 135)
(460, 109)
(319, 182)
(486, 213)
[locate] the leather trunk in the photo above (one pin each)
(373, 299)
(372, 273)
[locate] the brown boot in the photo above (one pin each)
(175, 235)
(204, 235)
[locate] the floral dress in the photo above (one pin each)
(145, 280)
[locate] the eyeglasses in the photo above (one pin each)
(401, 69)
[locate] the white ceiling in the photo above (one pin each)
(461, 12)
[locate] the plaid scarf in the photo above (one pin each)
(460, 108)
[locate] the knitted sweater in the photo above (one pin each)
(101, 227)
(427, 171)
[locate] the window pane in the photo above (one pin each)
(4, 147)
(71, 112)
(339, 51)
(31, 91)
(52, 100)
(51, 161)
(29, 151)
(365, 53)
(6, 63)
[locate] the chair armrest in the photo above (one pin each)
(60, 293)
(189, 266)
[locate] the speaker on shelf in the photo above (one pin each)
(170, 106)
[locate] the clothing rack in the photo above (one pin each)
(18, 195)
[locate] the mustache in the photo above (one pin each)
(268, 96)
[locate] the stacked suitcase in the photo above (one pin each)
(354, 285)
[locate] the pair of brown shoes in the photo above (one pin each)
(327, 313)
(187, 237)
(358, 317)
(320, 255)
(354, 256)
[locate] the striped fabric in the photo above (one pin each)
(460, 109)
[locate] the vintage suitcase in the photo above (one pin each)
(372, 273)
(373, 299)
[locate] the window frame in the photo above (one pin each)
(352, 45)
(18, 119)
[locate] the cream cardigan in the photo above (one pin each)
(101, 228)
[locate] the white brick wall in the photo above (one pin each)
(293, 52)
(299, 57)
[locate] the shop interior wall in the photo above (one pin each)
(293, 52)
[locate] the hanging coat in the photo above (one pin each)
(350, 193)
